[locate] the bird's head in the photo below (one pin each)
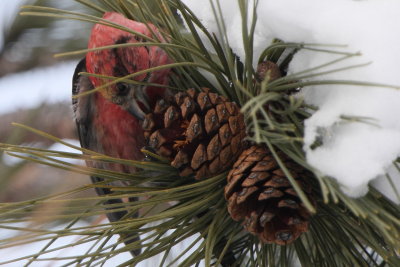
(122, 61)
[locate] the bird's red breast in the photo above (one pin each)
(119, 133)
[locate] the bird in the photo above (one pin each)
(109, 120)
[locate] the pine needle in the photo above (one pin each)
(343, 231)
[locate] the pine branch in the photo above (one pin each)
(343, 231)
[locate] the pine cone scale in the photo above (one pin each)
(211, 121)
(215, 165)
(213, 148)
(199, 157)
(270, 192)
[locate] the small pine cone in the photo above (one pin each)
(200, 132)
(268, 70)
(260, 195)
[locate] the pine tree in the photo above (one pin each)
(228, 220)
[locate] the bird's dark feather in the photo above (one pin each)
(84, 113)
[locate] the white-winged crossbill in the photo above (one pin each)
(109, 120)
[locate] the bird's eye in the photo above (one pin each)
(122, 89)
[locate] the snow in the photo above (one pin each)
(29, 89)
(28, 249)
(353, 152)
(64, 148)
(11, 160)
(76, 248)
(362, 147)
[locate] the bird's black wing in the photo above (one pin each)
(84, 112)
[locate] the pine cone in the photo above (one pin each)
(200, 132)
(259, 193)
(267, 70)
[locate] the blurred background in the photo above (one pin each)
(35, 90)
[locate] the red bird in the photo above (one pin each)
(109, 120)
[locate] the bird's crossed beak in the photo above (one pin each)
(133, 108)
(137, 104)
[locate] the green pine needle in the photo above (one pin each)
(343, 231)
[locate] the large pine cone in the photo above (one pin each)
(200, 132)
(259, 193)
